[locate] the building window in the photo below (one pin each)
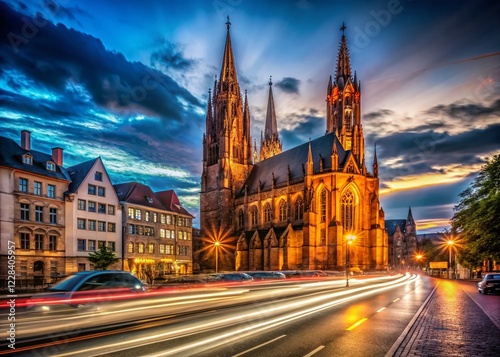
(162, 248)
(101, 244)
(131, 229)
(102, 208)
(254, 214)
(111, 227)
(322, 204)
(53, 215)
(81, 266)
(169, 249)
(92, 245)
(283, 211)
(299, 209)
(347, 211)
(179, 235)
(80, 223)
(155, 217)
(101, 226)
(51, 166)
(162, 218)
(23, 185)
(130, 213)
(149, 231)
(241, 219)
(82, 205)
(91, 189)
(139, 230)
(169, 219)
(91, 226)
(39, 213)
(189, 236)
(140, 248)
(25, 240)
(27, 159)
(53, 243)
(53, 269)
(38, 241)
(180, 221)
(167, 234)
(267, 213)
(151, 248)
(188, 222)
(111, 210)
(98, 176)
(81, 245)
(138, 214)
(92, 206)
(112, 246)
(101, 191)
(162, 233)
(323, 237)
(37, 188)
(147, 216)
(25, 211)
(51, 191)
(130, 247)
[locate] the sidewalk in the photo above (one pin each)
(449, 323)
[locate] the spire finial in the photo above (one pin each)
(270, 80)
(228, 23)
(342, 28)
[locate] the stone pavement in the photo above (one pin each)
(451, 323)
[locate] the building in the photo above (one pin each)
(32, 212)
(293, 209)
(93, 215)
(157, 231)
(403, 243)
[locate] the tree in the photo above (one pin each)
(476, 218)
(103, 258)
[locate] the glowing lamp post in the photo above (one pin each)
(450, 244)
(216, 245)
(349, 240)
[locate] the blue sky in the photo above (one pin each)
(128, 81)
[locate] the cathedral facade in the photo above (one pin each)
(294, 209)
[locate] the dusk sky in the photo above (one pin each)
(128, 81)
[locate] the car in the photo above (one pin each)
(87, 289)
(232, 277)
(266, 275)
(489, 284)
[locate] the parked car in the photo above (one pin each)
(489, 284)
(266, 275)
(232, 277)
(88, 288)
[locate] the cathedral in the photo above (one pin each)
(270, 209)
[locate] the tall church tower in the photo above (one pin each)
(343, 105)
(227, 146)
(270, 143)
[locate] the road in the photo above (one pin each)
(290, 318)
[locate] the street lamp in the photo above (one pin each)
(349, 240)
(216, 244)
(450, 244)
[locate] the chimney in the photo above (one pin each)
(26, 140)
(57, 156)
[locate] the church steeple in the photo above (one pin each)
(343, 108)
(228, 68)
(270, 142)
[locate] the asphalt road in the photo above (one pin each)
(306, 318)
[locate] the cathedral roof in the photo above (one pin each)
(392, 224)
(293, 162)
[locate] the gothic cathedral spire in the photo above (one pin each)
(343, 108)
(270, 143)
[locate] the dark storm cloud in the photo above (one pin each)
(52, 56)
(382, 113)
(466, 111)
(170, 56)
(289, 85)
(307, 129)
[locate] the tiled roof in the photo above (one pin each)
(171, 202)
(294, 160)
(78, 174)
(11, 155)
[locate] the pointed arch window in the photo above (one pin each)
(347, 208)
(241, 219)
(322, 203)
(299, 209)
(283, 214)
(254, 214)
(267, 213)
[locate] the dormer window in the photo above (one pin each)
(51, 166)
(150, 200)
(28, 159)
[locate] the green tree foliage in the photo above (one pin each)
(103, 258)
(477, 215)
